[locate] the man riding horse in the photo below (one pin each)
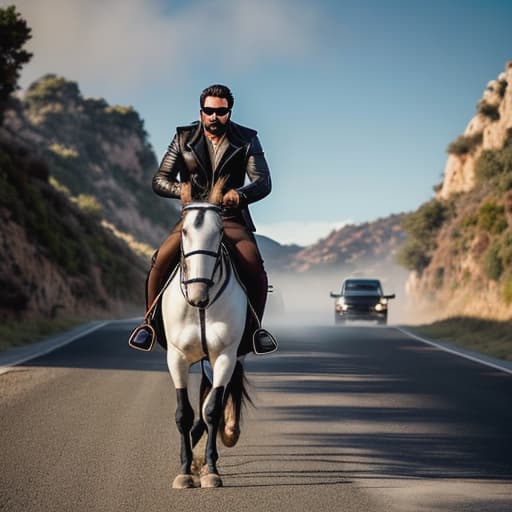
(201, 154)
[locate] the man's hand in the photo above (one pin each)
(231, 198)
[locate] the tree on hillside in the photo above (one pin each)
(14, 33)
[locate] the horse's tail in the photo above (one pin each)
(234, 399)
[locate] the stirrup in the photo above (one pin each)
(263, 342)
(147, 345)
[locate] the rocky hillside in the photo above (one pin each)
(459, 244)
(95, 151)
(56, 257)
(79, 218)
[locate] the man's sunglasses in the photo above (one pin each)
(220, 111)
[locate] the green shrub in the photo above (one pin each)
(439, 278)
(488, 110)
(507, 289)
(493, 262)
(495, 167)
(488, 165)
(502, 87)
(426, 221)
(465, 144)
(50, 90)
(466, 276)
(491, 218)
(414, 256)
(421, 228)
(90, 205)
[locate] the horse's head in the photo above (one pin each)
(201, 236)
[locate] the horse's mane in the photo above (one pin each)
(215, 196)
(186, 193)
(217, 193)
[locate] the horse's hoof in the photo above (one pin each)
(211, 480)
(229, 436)
(183, 482)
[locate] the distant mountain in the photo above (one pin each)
(275, 255)
(352, 246)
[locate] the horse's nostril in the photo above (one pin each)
(203, 303)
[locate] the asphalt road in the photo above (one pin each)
(346, 419)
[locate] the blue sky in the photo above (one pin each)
(355, 101)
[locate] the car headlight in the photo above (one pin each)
(382, 305)
(341, 306)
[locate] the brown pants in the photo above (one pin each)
(247, 257)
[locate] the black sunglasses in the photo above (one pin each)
(220, 111)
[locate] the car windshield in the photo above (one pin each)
(362, 286)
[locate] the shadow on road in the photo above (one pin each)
(401, 408)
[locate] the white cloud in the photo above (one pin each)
(128, 43)
(301, 233)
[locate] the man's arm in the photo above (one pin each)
(165, 181)
(258, 172)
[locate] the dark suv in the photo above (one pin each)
(361, 299)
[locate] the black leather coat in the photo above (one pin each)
(188, 158)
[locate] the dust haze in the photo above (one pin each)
(302, 298)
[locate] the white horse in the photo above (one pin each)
(204, 309)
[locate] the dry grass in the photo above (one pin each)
(14, 334)
(490, 337)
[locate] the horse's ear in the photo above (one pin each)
(217, 193)
(186, 193)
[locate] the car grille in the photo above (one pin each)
(359, 308)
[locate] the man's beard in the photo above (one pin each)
(216, 128)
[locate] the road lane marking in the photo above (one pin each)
(45, 347)
(456, 352)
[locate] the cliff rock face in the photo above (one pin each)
(487, 130)
(461, 256)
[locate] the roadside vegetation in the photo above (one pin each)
(490, 337)
(16, 334)
(422, 227)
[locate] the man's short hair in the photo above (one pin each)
(219, 91)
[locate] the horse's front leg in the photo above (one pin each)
(179, 369)
(212, 410)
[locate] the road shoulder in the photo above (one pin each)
(492, 362)
(19, 355)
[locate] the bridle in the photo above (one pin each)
(213, 254)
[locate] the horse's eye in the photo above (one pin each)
(185, 232)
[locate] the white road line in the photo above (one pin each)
(460, 353)
(47, 349)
